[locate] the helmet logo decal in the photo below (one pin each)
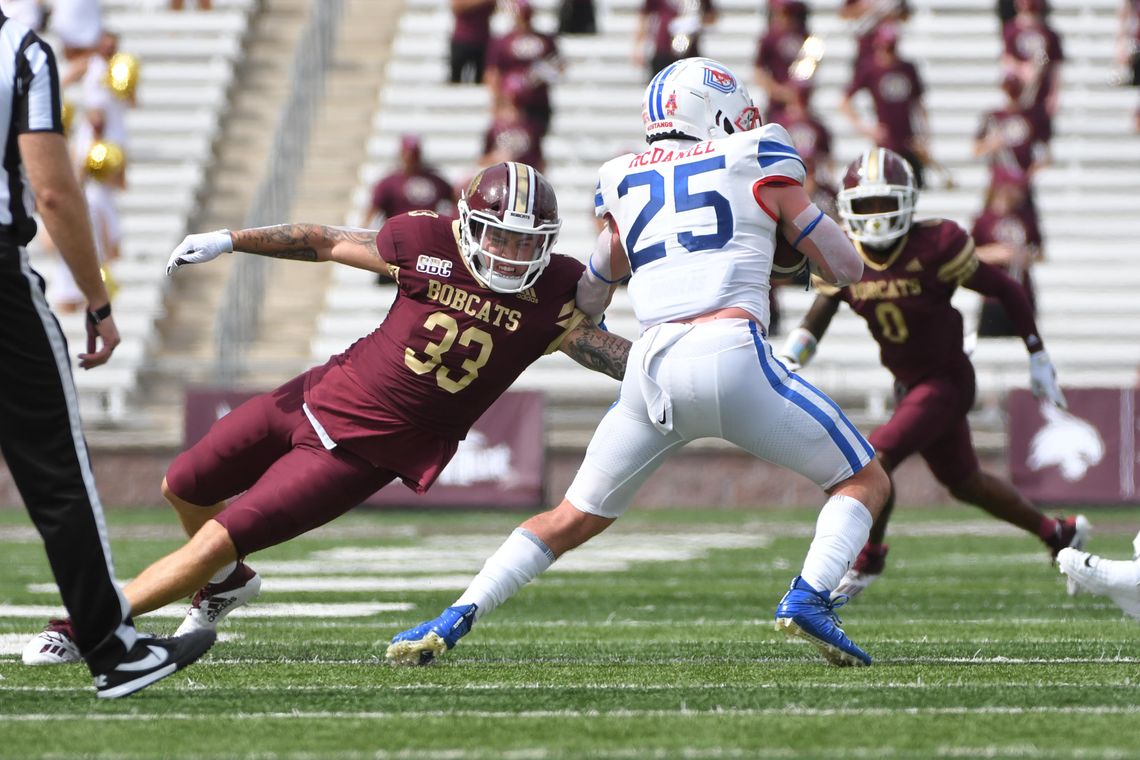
(521, 189)
(654, 93)
(720, 80)
(671, 104)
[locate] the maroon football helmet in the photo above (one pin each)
(878, 197)
(508, 222)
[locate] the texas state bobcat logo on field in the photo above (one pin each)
(1066, 442)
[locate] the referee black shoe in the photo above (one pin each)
(150, 660)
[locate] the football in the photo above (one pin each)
(788, 264)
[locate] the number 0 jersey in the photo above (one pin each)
(448, 347)
(696, 234)
(905, 299)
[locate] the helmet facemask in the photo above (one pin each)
(878, 198)
(507, 255)
(877, 215)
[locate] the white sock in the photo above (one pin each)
(521, 558)
(224, 572)
(840, 532)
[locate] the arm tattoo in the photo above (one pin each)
(301, 242)
(598, 350)
(355, 235)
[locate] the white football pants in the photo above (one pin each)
(716, 379)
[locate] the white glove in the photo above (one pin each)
(200, 248)
(1043, 380)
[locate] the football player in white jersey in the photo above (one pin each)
(693, 222)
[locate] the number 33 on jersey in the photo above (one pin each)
(691, 221)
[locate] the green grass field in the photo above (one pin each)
(656, 642)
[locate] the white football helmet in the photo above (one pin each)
(697, 98)
(878, 174)
(508, 222)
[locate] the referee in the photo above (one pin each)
(40, 434)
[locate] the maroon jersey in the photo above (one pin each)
(447, 349)
(778, 50)
(810, 137)
(399, 193)
(895, 89)
(662, 13)
(1036, 43)
(515, 140)
(906, 299)
(473, 26)
(1017, 228)
(517, 55)
(867, 25)
(1020, 129)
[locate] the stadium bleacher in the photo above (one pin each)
(186, 69)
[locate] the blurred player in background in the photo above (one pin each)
(670, 30)
(698, 214)
(412, 186)
(912, 270)
(1031, 49)
(470, 38)
(896, 91)
(480, 299)
(1013, 136)
(778, 49)
(1007, 236)
(511, 135)
(1128, 48)
(867, 17)
(521, 67)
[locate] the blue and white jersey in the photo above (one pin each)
(696, 234)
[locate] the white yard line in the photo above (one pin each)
(630, 687)
(782, 712)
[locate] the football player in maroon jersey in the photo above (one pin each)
(896, 90)
(912, 270)
(1032, 50)
(479, 300)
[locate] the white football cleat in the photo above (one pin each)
(54, 645)
(214, 601)
(1119, 580)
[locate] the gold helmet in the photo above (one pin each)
(104, 161)
(67, 116)
(123, 75)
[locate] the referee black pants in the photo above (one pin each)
(43, 445)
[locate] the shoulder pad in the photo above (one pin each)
(772, 149)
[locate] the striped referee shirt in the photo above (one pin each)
(29, 102)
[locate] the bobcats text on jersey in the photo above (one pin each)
(478, 306)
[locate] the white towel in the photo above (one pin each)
(658, 404)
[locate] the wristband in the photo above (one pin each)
(800, 345)
(98, 315)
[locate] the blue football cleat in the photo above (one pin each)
(810, 614)
(422, 644)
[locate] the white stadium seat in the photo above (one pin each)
(186, 67)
